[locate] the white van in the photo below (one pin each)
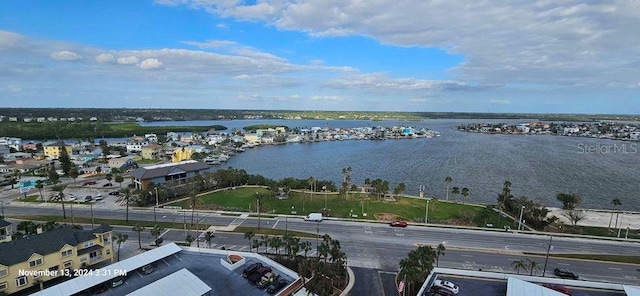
(313, 217)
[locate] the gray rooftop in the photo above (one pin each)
(20, 250)
(169, 169)
(4, 223)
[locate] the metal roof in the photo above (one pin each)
(516, 287)
(167, 169)
(107, 273)
(631, 290)
(187, 283)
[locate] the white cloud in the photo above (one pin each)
(417, 100)
(241, 77)
(130, 60)
(329, 98)
(211, 43)
(500, 102)
(258, 55)
(380, 81)
(65, 55)
(105, 58)
(10, 39)
(150, 64)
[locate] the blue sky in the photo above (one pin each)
(414, 55)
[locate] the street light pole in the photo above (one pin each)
(426, 213)
(520, 221)
(156, 188)
(318, 238)
(92, 222)
(547, 259)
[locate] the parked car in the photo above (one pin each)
(99, 196)
(89, 183)
(107, 185)
(117, 281)
(115, 192)
(99, 289)
(439, 291)
(251, 268)
(565, 273)
(398, 224)
(255, 277)
(147, 269)
(267, 279)
(276, 286)
(447, 285)
(560, 288)
(71, 198)
(88, 198)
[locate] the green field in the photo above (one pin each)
(409, 209)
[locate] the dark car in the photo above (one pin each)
(89, 183)
(560, 288)
(439, 291)
(88, 198)
(147, 269)
(117, 281)
(115, 192)
(249, 270)
(107, 185)
(565, 273)
(276, 286)
(255, 277)
(99, 289)
(398, 224)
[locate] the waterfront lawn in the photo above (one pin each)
(409, 209)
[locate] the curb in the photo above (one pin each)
(352, 281)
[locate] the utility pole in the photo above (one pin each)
(92, 222)
(520, 221)
(547, 258)
(156, 188)
(318, 238)
(426, 213)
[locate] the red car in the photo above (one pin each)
(559, 288)
(398, 224)
(89, 183)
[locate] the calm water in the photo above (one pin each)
(538, 167)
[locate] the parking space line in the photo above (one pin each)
(274, 224)
(165, 262)
(177, 257)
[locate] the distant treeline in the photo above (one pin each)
(121, 114)
(87, 130)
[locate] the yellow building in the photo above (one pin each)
(28, 262)
(182, 154)
(55, 150)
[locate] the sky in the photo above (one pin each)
(519, 56)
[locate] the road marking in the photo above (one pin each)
(615, 268)
(367, 229)
(242, 248)
(165, 232)
(165, 262)
(465, 255)
(274, 224)
(177, 257)
(565, 264)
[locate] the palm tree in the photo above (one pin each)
(448, 181)
(616, 203)
(519, 264)
(40, 185)
(60, 189)
(306, 247)
(155, 231)
(455, 190)
(119, 179)
(249, 235)
(120, 238)
(125, 197)
(465, 193)
(533, 266)
(439, 252)
(208, 236)
(138, 228)
(259, 196)
(265, 242)
(194, 200)
(276, 243)
(73, 174)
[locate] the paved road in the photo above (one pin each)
(375, 246)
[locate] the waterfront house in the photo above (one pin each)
(163, 173)
(182, 154)
(123, 163)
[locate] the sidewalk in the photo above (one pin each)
(601, 218)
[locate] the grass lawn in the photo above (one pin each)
(597, 257)
(601, 231)
(410, 209)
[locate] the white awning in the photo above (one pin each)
(631, 290)
(186, 282)
(107, 273)
(516, 287)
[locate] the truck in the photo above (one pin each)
(317, 217)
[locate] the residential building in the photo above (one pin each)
(41, 257)
(123, 163)
(55, 150)
(136, 146)
(5, 231)
(151, 151)
(4, 151)
(10, 142)
(163, 173)
(182, 154)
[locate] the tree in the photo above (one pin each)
(439, 252)
(65, 161)
(455, 191)
(108, 177)
(569, 201)
(265, 242)
(519, 264)
(249, 236)
(399, 189)
(119, 179)
(155, 231)
(59, 188)
(208, 236)
(98, 170)
(73, 173)
(259, 197)
(465, 193)
(120, 238)
(194, 200)
(126, 198)
(447, 181)
(306, 247)
(616, 204)
(189, 239)
(53, 175)
(574, 216)
(533, 266)
(139, 229)
(39, 186)
(416, 267)
(505, 199)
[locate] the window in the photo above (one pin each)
(35, 263)
(88, 244)
(106, 239)
(68, 264)
(67, 253)
(3, 286)
(83, 258)
(108, 251)
(21, 281)
(53, 268)
(3, 272)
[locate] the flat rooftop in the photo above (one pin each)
(205, 264)
(497, 284)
